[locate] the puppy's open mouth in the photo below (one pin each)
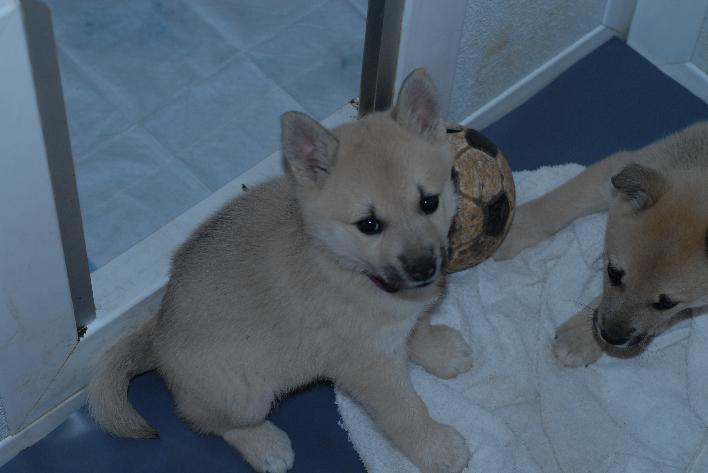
(382, 284)
(390, 287)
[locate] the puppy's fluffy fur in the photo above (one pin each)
(295, 281)
(656, 246)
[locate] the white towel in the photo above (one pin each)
(522, 412)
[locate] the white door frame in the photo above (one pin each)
(430, 38)
(37, 323)
(403, 35)
(39, 35)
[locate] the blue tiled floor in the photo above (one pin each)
(205, 82)
(612, 99)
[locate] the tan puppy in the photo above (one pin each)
(656, 247)
(324, 273)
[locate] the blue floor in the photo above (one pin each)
(610, 100)
(77, 447)
(613, 99)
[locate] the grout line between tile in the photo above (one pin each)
(81, 70)
(294, 19)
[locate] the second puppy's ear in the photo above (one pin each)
(309, 149)
(639, 185)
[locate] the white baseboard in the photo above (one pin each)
(689, 76)
(532, 83)
(14, 444)
(685, 73)
(127, 291)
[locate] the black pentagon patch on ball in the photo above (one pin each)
(496, 215)
(478, 141)
(455, 176)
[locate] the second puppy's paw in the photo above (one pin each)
(574, 344)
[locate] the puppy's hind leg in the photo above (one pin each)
(264, 446)
(236, 410)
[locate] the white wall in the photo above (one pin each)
(674, 37)
(700, 54)
(505, 40)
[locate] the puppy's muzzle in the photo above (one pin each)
(616, 336)
(422, 269)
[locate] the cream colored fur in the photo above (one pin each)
(657, 198)
(280, 288)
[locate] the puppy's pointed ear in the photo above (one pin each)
(639, 185)
(309, 149)
(417, 108)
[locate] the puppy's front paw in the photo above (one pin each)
(446, 451)
(574, 344)
(442, 351)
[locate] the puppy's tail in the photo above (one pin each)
(108, 389)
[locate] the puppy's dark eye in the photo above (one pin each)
(615, 275)
(664, 303)
(369, 226)
(429, 203)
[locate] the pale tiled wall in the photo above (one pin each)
(168, 101)
(505, 40)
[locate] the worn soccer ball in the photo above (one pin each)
(485, 198)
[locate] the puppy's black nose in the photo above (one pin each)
(422, 269)
(614, 338)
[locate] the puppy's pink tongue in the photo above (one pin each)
(381, 284)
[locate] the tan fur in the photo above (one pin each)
(656, 233)
(272, 293)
